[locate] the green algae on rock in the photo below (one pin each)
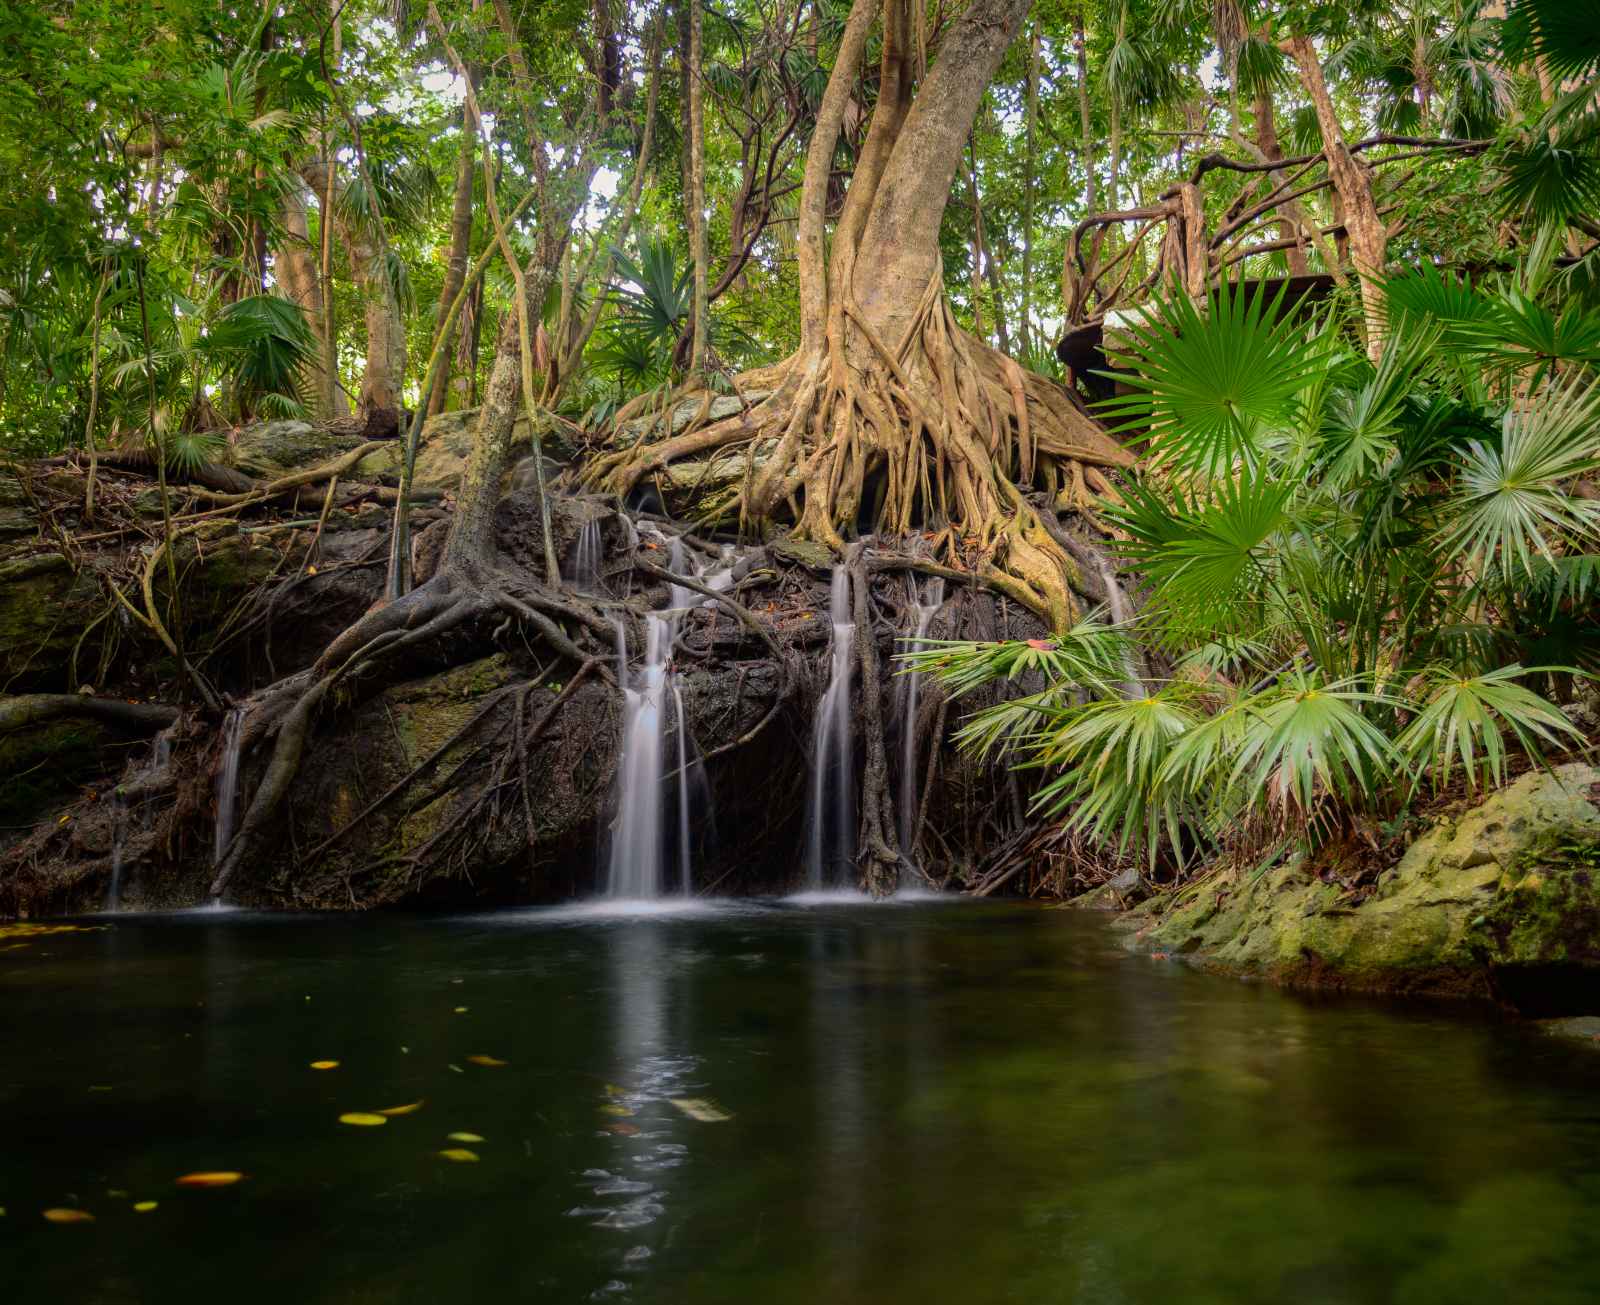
(1482, 905)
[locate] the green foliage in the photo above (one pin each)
(1465, 719)
(1212, 381)
(1379, 550)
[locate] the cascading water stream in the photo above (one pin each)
(910, 788)
(586, 556)
(228, 780)
(119, 837)
(635, 867)
(638, 862)
(831, 836)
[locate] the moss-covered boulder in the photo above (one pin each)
(1502, 902)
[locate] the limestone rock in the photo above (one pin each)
(1482, 905)
(274, 448)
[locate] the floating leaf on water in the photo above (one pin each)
(701, 1111)
(459, 1154)
(117, 1195)
(466, 1137)
(461, 1010)
(144, 1207)
(59, 1215)
(324, 1064)
(612, 1090)
(611, 1108)
(412, 1109)
(27, 929)
(622, 1130)
(489, 1061)
(210, 1178)
(457, 1069)
(362, 1119)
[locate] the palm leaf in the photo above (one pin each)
(1465, 719)
(1208, 385)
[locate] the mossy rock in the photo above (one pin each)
(1508, 886)
(272, 448)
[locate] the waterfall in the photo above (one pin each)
(831, 838)
(586, 558)
(228, 780)
(640, 851)
(681, 776)
(1117, 601)
(119, 836)
(635, 869)
(910, 789)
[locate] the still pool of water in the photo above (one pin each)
(929, 1102)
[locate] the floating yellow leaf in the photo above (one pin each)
(28, 929)
(144, 1207)
(459, 1154)
(412, 1109)
(622, 1130)
(701, 1111)
(324, 1064)
(461, 1010)
(58, 1215)
(465, 1137)
(610, 1108)
(210, 1178)
(361, 1119)
(486, 1060)
(612, 1090)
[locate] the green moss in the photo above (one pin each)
(1511, 882)
(47, 766)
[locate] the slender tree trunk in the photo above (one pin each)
(984, 268)
(380, 397)
(460, 242)
(1369, 240)
(1030, 167)
(1272, 152)
(696, 198)
(299, 280)
(464, 380)
(1085, 121)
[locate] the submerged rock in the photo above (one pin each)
(1502, 902)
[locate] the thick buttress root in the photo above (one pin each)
(948, 435)
(373, 645)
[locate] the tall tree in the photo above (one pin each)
(886, 388)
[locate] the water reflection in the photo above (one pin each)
(837, 1103)
(648, 1070)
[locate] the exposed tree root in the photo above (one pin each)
(37, 708)
(375, 646)
(943, 433)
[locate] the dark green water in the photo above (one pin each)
(929, 1103)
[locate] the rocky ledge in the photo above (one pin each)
(1500, 902)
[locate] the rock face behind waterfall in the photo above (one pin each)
(1502, 901)
(118, 806)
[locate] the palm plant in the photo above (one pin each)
(1348, 561)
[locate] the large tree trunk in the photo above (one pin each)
(886, 392)
(460, 243)
(1369, 241)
